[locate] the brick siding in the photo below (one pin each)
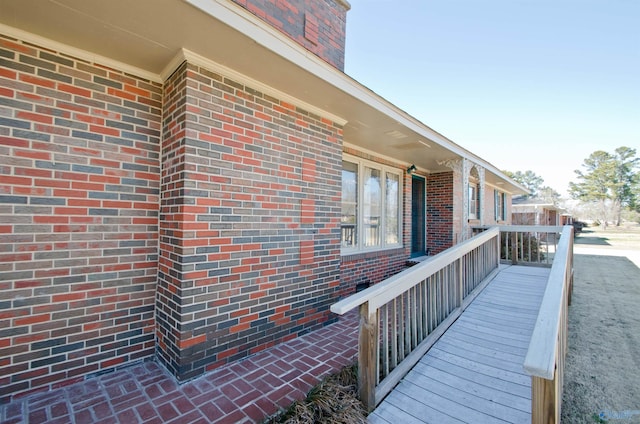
(249, 222)
(317, 25)
(365, 269)
(79, 199)
(440, 206)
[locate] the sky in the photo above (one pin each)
(525, 84)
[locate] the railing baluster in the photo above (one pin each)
(425, 308)
(467, 274)
(414, 317)
(473, 268)
(476, 266)
(400, 328)
(432, 304)
(440, 301)
(445, 286)
(458, 276)
(407, 320)
(438, 292)
(419, 306)
(456, 285)
(394, 333)
(384, 317)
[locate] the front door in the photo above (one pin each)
(418, 226)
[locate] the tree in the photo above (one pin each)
(528, 179)
(548, 194)
(626, 179)
(635, 204)
(609, 180)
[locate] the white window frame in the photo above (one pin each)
(360, 234)
(474, 205)
(500, 205)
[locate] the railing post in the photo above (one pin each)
(367, 356)
(514, 248)
(544, 400)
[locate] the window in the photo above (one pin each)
(372, 206)
(349, 204)
(392, 209)
(500, 206)
(474, 201)
(371, 214)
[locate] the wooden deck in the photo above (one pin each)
(474, 372)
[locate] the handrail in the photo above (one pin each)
(385, 291)
(403, 316)
(524, 228)
(527, 244)
(548, 346)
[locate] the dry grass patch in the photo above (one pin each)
(334, 400)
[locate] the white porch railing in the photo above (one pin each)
(548, 346)
(403, 316)
(527, 244)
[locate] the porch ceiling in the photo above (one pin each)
(148, 34)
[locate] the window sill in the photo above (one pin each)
(352, 255)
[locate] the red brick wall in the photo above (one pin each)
(249, 221)
(79, 198)
(172, 226)
(370, 268)
(317, 25)
(439, 211)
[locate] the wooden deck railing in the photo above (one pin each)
(548, 346)
(527, 244)
(403, 316)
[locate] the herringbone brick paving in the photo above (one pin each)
(246, 391)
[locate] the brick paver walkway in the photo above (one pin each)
(246, 391)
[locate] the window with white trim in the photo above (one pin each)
(500, 205)
(371, 206)
(474, 201)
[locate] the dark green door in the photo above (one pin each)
(418, 226)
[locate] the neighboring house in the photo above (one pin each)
(527, 211)
(197, 180)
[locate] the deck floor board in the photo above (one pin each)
(474, 372)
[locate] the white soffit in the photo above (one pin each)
(224, 71)
(77, 53)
